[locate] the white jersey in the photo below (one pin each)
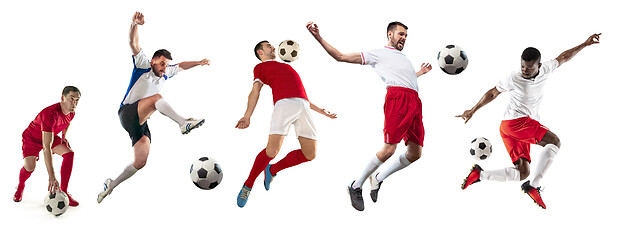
(392, 66)
(144, 83)
(525, 94)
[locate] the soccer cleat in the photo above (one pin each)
(356, 199)
(18, 195)
(72, 201)
(374, 187)
(473, 176)
(106, 190)
(268, 177)
(241, 200)
(534, 193)
(190, 124)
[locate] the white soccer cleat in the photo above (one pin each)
(106, 190)
(190, 124)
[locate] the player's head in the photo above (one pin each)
(160, 61)
(530, 62)
(70, 96)
(396, 34)
(264, 51)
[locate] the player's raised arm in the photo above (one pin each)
(252, 100)
(487, 98)
(138, 19)
(322, 111)
(189, 64)
(337, 55)
(569, 54)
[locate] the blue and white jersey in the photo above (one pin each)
(144, 83)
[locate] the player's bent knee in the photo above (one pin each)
(309, 156)
(272, 152)
(411, 157)
(524, 173)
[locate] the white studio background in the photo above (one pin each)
(48, 45)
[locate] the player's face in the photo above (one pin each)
(268, 51)
(397, 38)
(159, 65)
(69, 101)
(529, 69)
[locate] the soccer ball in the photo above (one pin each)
(288, 51)
(57, 203)
(452, 59)
(481, 148)
(206, 173)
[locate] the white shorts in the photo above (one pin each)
(289, 111)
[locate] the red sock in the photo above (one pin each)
(65, 170)
(293, 158)
(262, 160)
(23, 176)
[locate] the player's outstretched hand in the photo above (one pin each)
(53, 185)
(467, 115)
(243, 123)
(425, 68)
(593, 39)
(205, 61)
(328, 114)
(313, 29)
(138, 18)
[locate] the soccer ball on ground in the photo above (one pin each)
(481, 148)
(288, 51)
(452, 60)
(57, 203)
(206, 173)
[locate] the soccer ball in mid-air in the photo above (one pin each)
(452, 60)
(57, 203)
(288, 51)
(481, 148)
(206, 173)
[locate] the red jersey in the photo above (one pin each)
(50, 119)
(282, 78)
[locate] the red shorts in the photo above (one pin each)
(518, 135)
(403, 119)
(32, 147)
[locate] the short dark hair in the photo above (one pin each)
(392, 26)
(164, 53)
(259, 47)
(531, 54)
(69, 89)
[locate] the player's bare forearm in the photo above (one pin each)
(322, 111)
(47, 153)
(485, 99)
(138, 19)
(335, 54)
(570, 53)
(190, 64)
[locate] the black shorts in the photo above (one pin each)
(130, 120)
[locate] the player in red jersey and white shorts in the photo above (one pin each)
(403, 118)
(292, 107)
(520, 126)
(41, 134)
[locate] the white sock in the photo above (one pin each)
(372, 166)
(545, 160)
(164, 108)
(394, 166)
(501, 175)
(127, 173)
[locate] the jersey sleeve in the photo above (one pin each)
(140, 60)
(48, 121)
(506, 84)
(550, 66)
(172, 70)
(259, 74)
(369, 58)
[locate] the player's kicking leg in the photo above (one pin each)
(158, 103)
(551, 144)
(413, 153)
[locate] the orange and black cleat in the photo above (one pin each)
(534, 193)
(473, 176)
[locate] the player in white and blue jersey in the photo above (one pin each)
(142, 99)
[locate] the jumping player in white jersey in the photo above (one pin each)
(403, 118)
(520, 126)
(143, 99)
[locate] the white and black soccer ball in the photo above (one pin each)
(57, 203)
(481, 148)
(206, 173)
(452, 59)
(288, 50)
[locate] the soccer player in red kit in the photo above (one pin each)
(291, 108)
(520, 126)
(41, 134)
